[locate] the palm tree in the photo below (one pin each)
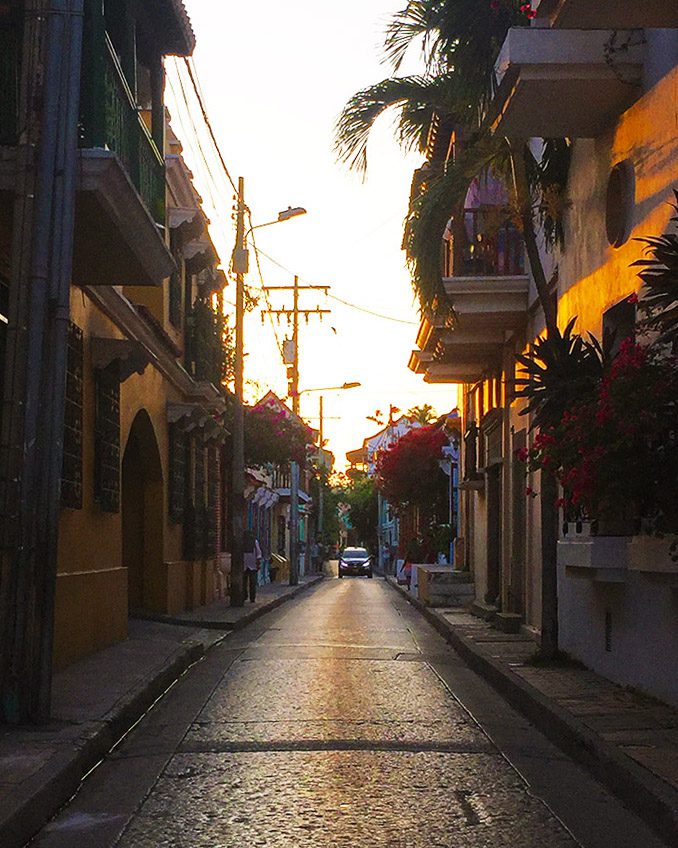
(460, 41)
(424, 414)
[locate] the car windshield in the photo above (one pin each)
(356, 553)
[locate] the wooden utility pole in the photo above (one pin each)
(238, 460)
(35, 384)
(294, 394)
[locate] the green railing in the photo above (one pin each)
(111, 120)
(10, 53)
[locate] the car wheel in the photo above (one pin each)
(369, 574)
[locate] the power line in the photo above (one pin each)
(341, 300)
(374, 314)
(197, 89)
(208, 123)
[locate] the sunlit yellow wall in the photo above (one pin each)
(92, 598)
(593, 275)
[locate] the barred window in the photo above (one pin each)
(107, 440)
(177, 473)
(71, 474)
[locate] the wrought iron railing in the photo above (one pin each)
(205, 344)
(112, 120)
(484, 243)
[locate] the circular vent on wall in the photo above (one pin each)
(621, 200)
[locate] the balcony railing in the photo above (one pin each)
(10, 52)
(484, 244)
(112, 121)
(206, 353)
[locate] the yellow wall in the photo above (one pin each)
(92, 585)
(593, 275)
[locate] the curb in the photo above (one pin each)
(40, 797)
(648, 796)
(200, 624)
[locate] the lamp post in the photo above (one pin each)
(240, 264)
(294, 489)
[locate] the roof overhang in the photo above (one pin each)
(172, 26)
(486, 303)
(117, 242)
(609, 14)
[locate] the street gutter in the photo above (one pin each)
(32, 803)
(649, 797)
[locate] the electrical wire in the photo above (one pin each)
(345, 302)
(190, 67)
(197, 90)
(265, 292)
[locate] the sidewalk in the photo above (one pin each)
(97, 700)
(628, 741)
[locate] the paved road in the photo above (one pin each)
(342, 720)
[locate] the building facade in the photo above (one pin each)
(142, 517)
(604, 76)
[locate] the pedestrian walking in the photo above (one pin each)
(315, 556)
(251, 563)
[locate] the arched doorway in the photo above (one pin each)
(142, 517)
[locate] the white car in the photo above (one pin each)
(355, 561)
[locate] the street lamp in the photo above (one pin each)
(294, 487)
(240, 266)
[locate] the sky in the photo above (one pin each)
(274, 78)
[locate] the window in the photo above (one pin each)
(71, 474)
(621, 199)
(107, 440)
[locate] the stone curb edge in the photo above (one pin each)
(648, 796)
(229, 626)
(40, 798)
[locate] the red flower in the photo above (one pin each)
(632, 298)
(522, 454)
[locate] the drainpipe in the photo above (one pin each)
(42, 352)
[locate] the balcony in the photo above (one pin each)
(485, 281)
(609, 14)
(484, 243)
(487, 288)
(120, 209)
(565, 83)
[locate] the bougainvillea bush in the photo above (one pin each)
(618, 455)
(272, 435)
(409, 475)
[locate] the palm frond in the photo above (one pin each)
(560, 370)
(418, 20)
(416, 97)
(659, 273)
(431, 208)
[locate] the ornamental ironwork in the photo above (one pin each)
(71, 474)
(107, 439)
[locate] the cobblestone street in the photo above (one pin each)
(342, 720)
